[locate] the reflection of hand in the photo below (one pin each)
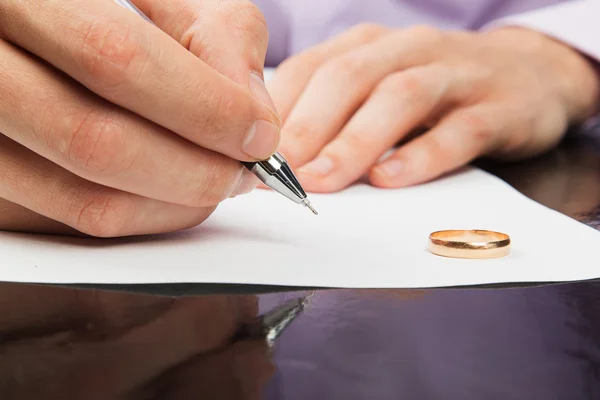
(565, 180)
(114, 127)
(508, 93)
(237, 372)
(63, 343)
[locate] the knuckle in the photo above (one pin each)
(183, 21)
(97, 144)
(426, 33)
(481, 130)
(429, 155)
(520, 134)
(354, 141)
(298, 64)
(298, 130)
(412, 84)
(244, 17)
(369, 30)
(405, 83)
(108, 50)
(199, 43)
(343, 68)
(101, 214)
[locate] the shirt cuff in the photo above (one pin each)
(575, 23)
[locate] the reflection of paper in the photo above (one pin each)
(363, 237)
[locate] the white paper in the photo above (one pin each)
(363, 237)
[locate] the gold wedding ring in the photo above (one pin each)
(475, 243)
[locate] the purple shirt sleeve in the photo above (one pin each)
(574, 23)
(295, 25)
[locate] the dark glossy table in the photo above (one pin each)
(467, 343)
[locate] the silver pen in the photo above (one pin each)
(275, 171)
(271, 324)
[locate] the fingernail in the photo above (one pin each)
(262, 140)
(236, 187)
(320, 166)
(391, 168)
(259, 90)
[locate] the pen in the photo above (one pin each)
(271, 324)
(275, 171)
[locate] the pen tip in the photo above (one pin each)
(310, 207)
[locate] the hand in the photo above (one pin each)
(84, 344)
(112, 126)
(509, 93)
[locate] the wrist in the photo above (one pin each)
(574, 77)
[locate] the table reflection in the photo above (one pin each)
(59, 343)
(566, 179)
(521, 343)
(526, 343)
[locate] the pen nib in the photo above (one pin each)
(310, 207)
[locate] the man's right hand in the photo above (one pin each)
(113, 127)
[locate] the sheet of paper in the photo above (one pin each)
(363, 238)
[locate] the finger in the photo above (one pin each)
(51, 191)
(46, 310)
(340, 86)
(104, 144)
(400, 103)
(240, 371)
(16, 218)
(230, 36)
(248, 183)
(205, 325)
(458, 139)
(131, 63)
(252, 355)
(292, 76)
(121, 353)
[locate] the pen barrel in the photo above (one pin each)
(248, 165)
(277, 174)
